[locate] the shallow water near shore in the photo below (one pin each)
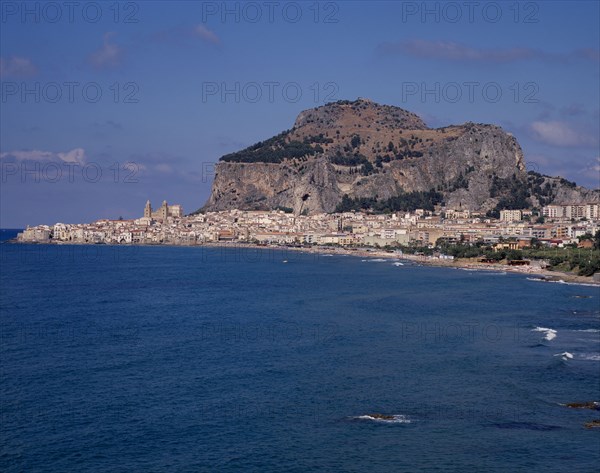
(218, 359)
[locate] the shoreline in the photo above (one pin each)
(542, 275)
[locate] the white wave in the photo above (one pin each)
(589, 330)
(579, 284)
(398, 264)
(549, 333)
(565, 355)
(395, 419)
(590, 356)
(560, 281)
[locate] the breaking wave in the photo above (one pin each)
(549, 333)
(590, 356)
(391, 419)
(565, 355)
(560, 281)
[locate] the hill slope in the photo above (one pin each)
(362, 150)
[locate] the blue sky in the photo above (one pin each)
(106, 106)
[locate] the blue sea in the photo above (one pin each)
(182, 359)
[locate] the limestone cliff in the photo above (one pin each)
(363, 149)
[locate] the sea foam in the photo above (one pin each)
(396, 419)
(549, 333)
(565, 355)
(560, 281)
(590, 356)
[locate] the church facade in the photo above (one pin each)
(163, 212)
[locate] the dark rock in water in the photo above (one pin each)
(594, 405)
(593, 424)
(551, 278)
(381, 416)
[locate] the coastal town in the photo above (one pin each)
(555, 226)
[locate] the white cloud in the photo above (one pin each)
(16, 66)
(108, 56)
(560, 134)
(75, 156)
(591, 173)
(594, 166)
(206, 34)
(452, 51)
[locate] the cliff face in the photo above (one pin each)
(363, 149)
(261, 186)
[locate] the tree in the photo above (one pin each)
(597, 240)
(514, 255)
(367, 168)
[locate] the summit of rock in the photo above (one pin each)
(353, 150)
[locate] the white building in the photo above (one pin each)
(511, 215)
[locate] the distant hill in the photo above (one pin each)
(361, 154)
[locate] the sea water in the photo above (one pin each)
(153, 359)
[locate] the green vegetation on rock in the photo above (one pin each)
(408, 201)
(277, 149)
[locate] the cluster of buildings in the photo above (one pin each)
(168, 225)
(589, 211)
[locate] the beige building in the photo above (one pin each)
(40, 233)
(553, 211)
(453, 214)
(589, 211)
(592, 211)
(511, 215)
(164, 211)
